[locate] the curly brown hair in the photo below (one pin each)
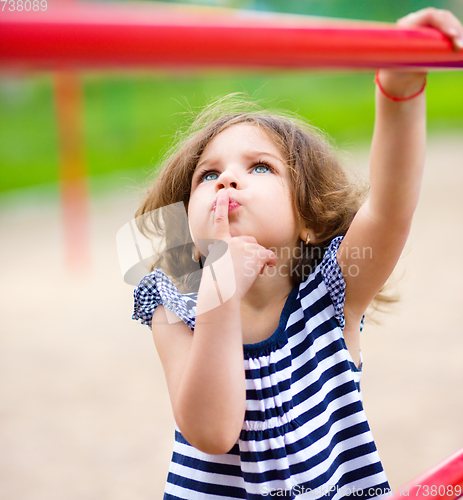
(325, 195)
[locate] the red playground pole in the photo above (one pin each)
(74, 198)
(445, 480)
(150, 35)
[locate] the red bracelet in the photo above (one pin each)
(397, 99)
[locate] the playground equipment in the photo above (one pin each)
(445, 480)
(92, 35)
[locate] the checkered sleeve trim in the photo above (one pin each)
(334, 280)
(157, 289)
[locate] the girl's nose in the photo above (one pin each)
(227, 179)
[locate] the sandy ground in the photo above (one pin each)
(84, 408)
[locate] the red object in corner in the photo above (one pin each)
(445, 480)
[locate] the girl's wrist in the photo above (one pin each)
(400, 86)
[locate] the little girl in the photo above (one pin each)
(303, 260)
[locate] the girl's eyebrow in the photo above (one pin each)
(257, 154)
(203, 162)
(250, 155)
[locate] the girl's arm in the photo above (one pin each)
(375, 240)
(204, 372)
(205, 369)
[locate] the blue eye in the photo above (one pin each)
(209, 176)
(261, 169)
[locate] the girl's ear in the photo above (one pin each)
(307, 236)
(195, 254)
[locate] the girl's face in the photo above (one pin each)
(245, 162)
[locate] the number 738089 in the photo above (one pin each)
(24, 5)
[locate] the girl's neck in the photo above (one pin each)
(267, 292)
(261, 308)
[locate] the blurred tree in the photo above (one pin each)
(352, 9)
(357, 9)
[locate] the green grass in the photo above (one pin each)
(129, 120)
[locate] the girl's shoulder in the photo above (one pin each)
(155, 289)
(330, 274)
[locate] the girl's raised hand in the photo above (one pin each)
(407, 82)
(441, 19)
(248, 257)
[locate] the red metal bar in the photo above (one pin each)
(107, 35)
(445, 480)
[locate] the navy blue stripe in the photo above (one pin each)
(209, 488)
(361, 473)
(261, 416)
(311, 285)
(352, 431)
(272, 368)
(168, 496)
(268, 392)
(337, 392)
(311, 364)
(324, 328)
(296, 328)
(350, 454)
(202, 465)
(306, 342)
(330, 373)
(318, 307)
(180, 439)
(267, 476)
(325, 478)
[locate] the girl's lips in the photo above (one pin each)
(232, 205)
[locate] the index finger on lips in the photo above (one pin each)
(221, 225)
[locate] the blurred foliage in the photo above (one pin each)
(130, 119)
(388, 11)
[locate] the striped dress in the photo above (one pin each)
(305, 433)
